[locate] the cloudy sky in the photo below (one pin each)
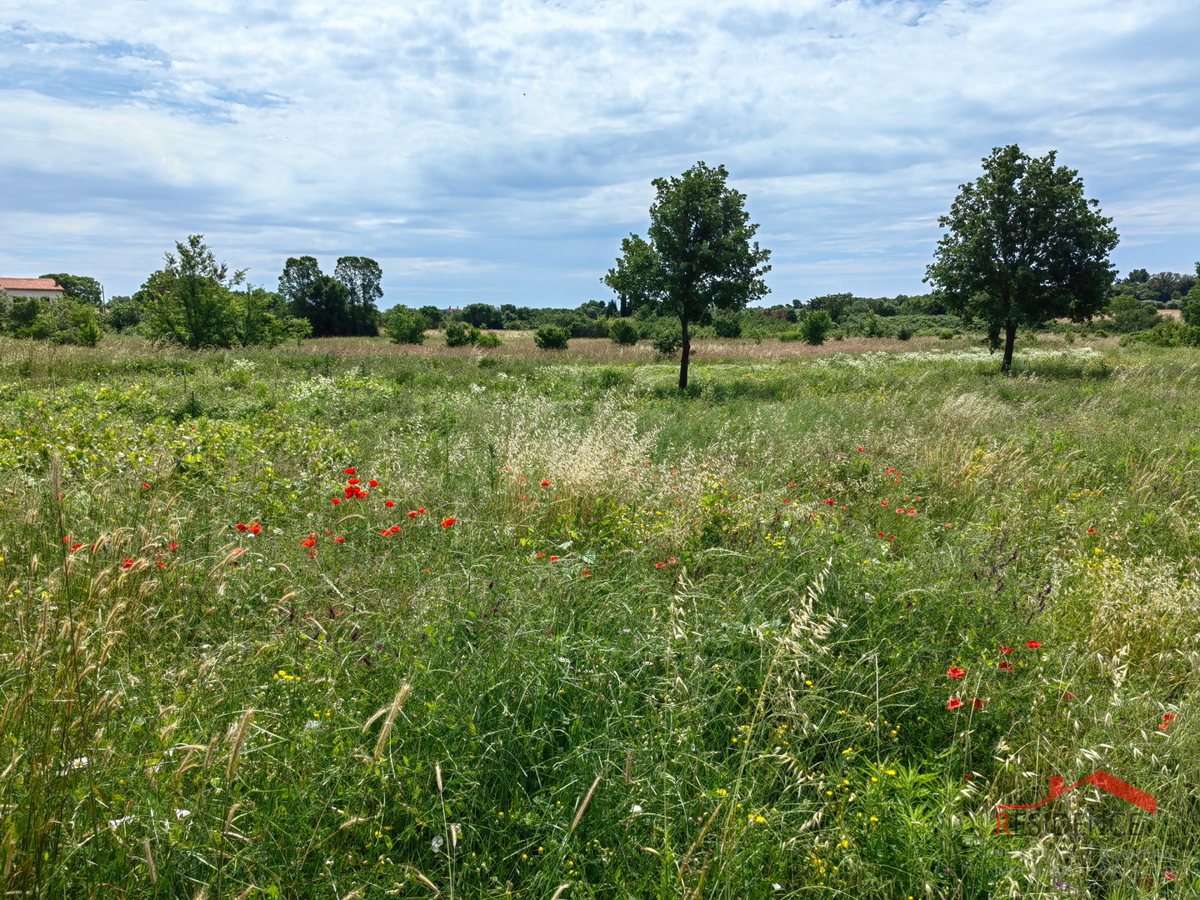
(497, 151)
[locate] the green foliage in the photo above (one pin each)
(57, 321)
(816, 327)
(123, 314)
(189, 301)
(728, 324)
(483, 315)
(1128, 314)
(552, 337)
(667, 342)
(80, 287)
(787, 337)
(433, 314)
(405, 326)
(197, 709)
(699, 258)
(624, 331)
(362, 277)
(459, 334)
(489, 339)
(1023, 246)
(1167, 333)
(903, 333)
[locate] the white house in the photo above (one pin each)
(32, 287)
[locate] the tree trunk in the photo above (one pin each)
(1010, 338)
(683, 362)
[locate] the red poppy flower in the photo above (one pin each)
(586, 573)
(145, 485)
(172, 546)
(955, 673)
(372, 483)
(354, 481)
(554, 559)
(388, 503)
(891, 537)
(336, 501)
(340, 539)
(308, 542)
(541, 555)
(446, 523)
(899, 512)
(786, 500)
(953, 704)
(883, 503)
(126, 563)
(1005, 649)
(75, 547)
(351, 471)
(976, 703)
(912, 512)
(545, 483)
(256, 528)
(1006, 666)
(671, 560)
(1091, 531)
(241, 526)
(1169, 876)
(312, 552)
(421, 511)
(1067, 695)
(659, 565)
(1033, 645)
(879, 534)
(412, 514)
(860, 450)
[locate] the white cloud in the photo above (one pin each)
(506, 147)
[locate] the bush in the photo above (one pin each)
(668, 342)
(815, 327)
(487, 339)
(623, 331)
(789, 336)
(728, 324)
(552, 337)
(461, 335)
(904, 333)
(1167, 334)
(945, 335)
(405, 326)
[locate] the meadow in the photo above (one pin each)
(352, 620)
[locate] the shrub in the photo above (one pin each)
(904, 333)
(461, 335)
(488, 339)
(405, 326)
(668, 342)
(788, 336)
(623, 331)
(728, 324)
(945, 335)
(552, 337)
(815, 327)
(1167, 334)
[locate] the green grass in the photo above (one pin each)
(707, 659)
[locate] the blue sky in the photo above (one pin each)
(498, 151)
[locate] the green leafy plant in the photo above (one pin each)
(405, 326)
(552, 337)
(624, 331)
(815, 327)
(459, 334)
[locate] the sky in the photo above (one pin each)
(498, 151)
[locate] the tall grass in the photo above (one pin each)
(708, 657)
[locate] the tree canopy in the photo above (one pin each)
(344, 304)
(699, 256)
(80, 287)
(1023, 246)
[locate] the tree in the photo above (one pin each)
(699, 256)
(405, 326)
(327, 307)
(483, 315)
(188, 300)
(361, 277)
(1023, 247)
(296, 282)
(815, 327)
(80, 287)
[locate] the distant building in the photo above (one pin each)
(32, 287)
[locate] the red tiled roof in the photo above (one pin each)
(29, 284)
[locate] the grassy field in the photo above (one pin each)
(350, 620)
